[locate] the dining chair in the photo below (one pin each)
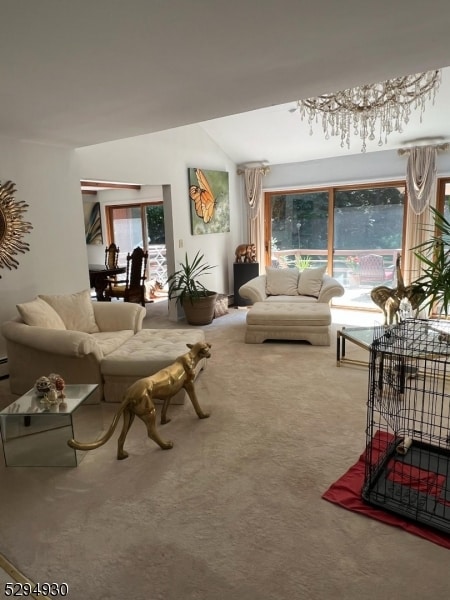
(111, 256)
(132, 288)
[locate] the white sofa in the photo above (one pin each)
(292, 285)
(89, 342)
(290, 305)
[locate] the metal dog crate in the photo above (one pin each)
(407, 456)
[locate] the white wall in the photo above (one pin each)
(357, 168)
(148, 193)
(163, 159)
(47, 179)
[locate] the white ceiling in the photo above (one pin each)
(277, 135)
(84, 72)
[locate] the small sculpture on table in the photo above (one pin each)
(50, 389)
(245, 253)
(390, 299)
(59, 384)
(42, 386)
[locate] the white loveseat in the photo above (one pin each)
(290, 305)
(89, 342)
(292, 285)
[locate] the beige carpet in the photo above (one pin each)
(234, 510)
(13, 582)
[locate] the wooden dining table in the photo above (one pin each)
(98, 278)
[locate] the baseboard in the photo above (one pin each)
(4, 368)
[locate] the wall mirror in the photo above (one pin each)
(12, 226)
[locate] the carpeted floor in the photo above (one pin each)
(234, 510)
(14, 583)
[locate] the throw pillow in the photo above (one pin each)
(40, 314)
(75, 310)
(310, 281)
(281, 282)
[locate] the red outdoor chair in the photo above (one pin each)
(372, 269)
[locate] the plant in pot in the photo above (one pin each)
(185, 287)
(434, 254)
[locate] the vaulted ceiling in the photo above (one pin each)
(84, 72)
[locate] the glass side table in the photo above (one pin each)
(34, 435)
(361, 336)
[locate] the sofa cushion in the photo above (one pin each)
(109, 341)
(75, 310)
(289, 314)
(40, 314)
(281, 281)
(310, 281)
(149, 351)
(297, 299)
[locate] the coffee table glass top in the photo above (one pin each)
(362, 336)
(422, 337)
(30, 403)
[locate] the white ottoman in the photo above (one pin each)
(289, 321)
(146, 353)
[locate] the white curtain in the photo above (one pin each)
(421, 186)
(252, 192)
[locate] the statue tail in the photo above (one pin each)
(92, 445)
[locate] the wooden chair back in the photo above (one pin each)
(132, 289)
(111, 256)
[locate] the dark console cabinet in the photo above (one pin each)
(243, 272)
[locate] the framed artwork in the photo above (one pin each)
(209, 200)
(92, 223)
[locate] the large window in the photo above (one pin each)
(299, 228)
(443, 203)
(357, 231)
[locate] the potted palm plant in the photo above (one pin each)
(434, 284)
(185, 287)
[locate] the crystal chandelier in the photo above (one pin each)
(370, 110)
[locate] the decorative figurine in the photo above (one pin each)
(245, 253)
(59, 383)
(51, 400)
(138, 400)
(389, 299)
(43, 385)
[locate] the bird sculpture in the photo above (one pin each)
(389, 299)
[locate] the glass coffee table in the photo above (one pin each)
(35, 435)
(425, 333)
(360, 336)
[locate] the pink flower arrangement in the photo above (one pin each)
(352, 262)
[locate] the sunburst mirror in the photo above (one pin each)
(12, 226)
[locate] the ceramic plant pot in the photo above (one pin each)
(200, 311)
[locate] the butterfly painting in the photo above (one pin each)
(202, 197)
(209, 199)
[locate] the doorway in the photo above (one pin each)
(142, 225)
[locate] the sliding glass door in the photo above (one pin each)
(126, 228)
(298, 229)
(368, 227)
(357, 231)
